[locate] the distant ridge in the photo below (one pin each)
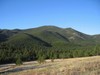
(50, 34)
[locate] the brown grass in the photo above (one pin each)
(73, 66)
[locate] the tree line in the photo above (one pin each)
(14, 54)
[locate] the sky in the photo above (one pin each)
(82, 15)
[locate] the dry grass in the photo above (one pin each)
(74, 66)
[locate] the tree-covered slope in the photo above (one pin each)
(26, 40)
(5, 34)
(52, 34)
(97, 38)
(46, 42)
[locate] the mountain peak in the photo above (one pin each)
(70, 29)
(48, 26)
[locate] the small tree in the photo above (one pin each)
(41, 56)
(62, 55)
(18, 60)
(53, 56)
(41, 59)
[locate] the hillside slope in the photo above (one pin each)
(52, 34)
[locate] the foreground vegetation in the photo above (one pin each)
(10, 54)
(73, 66)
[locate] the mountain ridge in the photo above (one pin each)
(68, 33)
(49, 32)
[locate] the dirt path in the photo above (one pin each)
(10, 68)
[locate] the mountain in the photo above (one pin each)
(97, 38)
(46, 42)
(54, 34)
(26, 39)
(49, 34)
(5, 34)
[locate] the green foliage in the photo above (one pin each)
(18, 60)
(52, 55)
(47, 42)
(41, 57)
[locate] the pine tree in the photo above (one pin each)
(53, 56)
(18, 60)
(41, 56)
(41, 59)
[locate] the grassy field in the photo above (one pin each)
(72, 66)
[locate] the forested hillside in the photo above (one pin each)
(46, 42)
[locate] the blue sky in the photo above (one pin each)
(82, 15)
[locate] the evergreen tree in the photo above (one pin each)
(18, 60)
(41, 59)
(41, 56)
